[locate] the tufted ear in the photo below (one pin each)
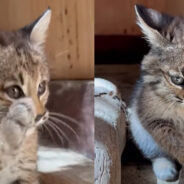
(154, 25)
(37, 30)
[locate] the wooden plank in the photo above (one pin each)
(70, 45)
(118, 17)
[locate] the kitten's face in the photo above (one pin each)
(23, 67)
(163, 67)
(164, 73)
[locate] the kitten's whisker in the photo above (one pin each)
(167, 109)
(40, 128)
(60, 136)
(64, 117)
(56, 131)
(56, 120)
(50, 133)
(60, 130)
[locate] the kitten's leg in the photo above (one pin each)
(15, 132)
(24, 113)
(28, 174)
(14, 125)
(165, 169)
(166, 135)
(28, 166)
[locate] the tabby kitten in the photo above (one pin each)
(24, 91)
(157, 108)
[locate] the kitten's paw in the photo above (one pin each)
(18, 121)
(22, 112)
(165, 169)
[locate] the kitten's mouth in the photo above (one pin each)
(179, 100)
(43, 119)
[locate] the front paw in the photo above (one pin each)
(23, 113)
(19, 119)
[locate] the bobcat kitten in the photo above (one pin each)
(24, 91)
(157, 108)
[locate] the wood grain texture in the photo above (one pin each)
(70, 45)
(118, 17)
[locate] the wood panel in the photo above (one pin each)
(118, 17)
(70, 45)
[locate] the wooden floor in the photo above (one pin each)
(135, 169)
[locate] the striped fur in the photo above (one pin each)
(157, 108)
(22, 64)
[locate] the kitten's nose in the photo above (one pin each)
(39, 116)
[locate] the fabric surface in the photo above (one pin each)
(109, 132)
(76, 100)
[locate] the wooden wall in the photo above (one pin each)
(70, 43)
(117, 17)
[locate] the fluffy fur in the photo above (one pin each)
(24, 91)
(56, 159)
(157, 108)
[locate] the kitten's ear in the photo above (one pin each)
(37, 31)
(153, 24)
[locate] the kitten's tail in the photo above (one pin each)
(56, 159)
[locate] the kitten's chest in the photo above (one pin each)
(175, 115)
(178, 116)
(14, 164)
(10, 173)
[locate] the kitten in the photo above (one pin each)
(157, 108)
(24, 78)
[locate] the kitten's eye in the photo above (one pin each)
(177, 80)
(14, 92)
(41, 88)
